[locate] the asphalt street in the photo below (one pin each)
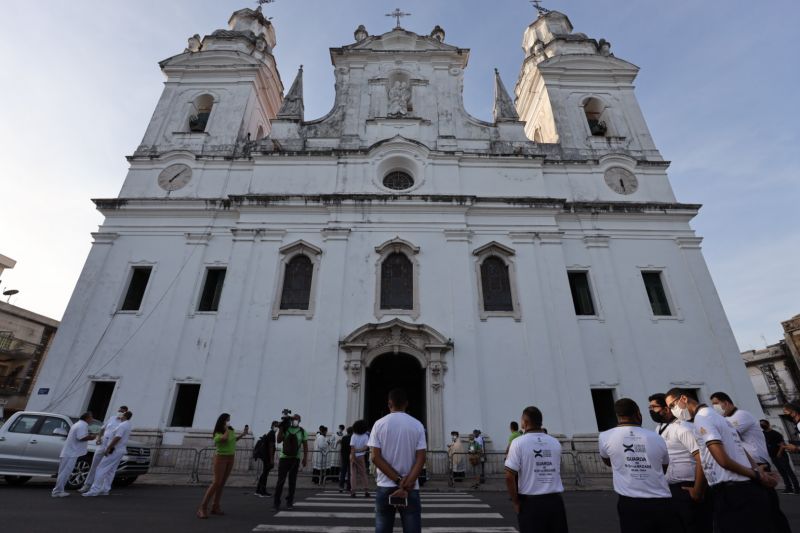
(140, 507)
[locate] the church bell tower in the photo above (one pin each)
(221, 92)
(574, 92)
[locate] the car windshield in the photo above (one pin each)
(94, 427)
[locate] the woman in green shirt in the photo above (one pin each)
(225, 442)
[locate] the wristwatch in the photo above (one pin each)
(399, 479)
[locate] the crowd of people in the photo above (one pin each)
(111, 441)
(706, 468)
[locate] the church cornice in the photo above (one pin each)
(340, 199)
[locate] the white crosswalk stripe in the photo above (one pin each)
(455, 512)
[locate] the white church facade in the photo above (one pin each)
(255, 260)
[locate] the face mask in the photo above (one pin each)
(681, 413)
(455, 438)
(295, 423)
(656, 417)
(718, 408)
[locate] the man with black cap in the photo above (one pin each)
(292, 437)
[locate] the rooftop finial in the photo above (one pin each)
(262, 2)
(538, 5)
(398, 14)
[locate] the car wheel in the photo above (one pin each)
(124, 481)
(17, 480)
(78, 476)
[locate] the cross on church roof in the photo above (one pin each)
(538, 5)
(262, 2)
(397, 14)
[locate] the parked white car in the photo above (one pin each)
(31, 442)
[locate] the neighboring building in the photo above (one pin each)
(25, 338)
(775, 374)
(255, 260)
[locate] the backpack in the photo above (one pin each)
(260, 449)
(291, 443)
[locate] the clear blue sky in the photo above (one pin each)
(718, 88)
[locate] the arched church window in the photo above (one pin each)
(398, 181)
(397, 282)
(198, 119)
(496, 285)
(297, 283)
(595, 111)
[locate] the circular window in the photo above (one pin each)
(398, 181)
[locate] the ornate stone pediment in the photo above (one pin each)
(395, 336)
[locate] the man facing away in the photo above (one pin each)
(740, 503)
(292, 438)
(775, 443)
(74, 447)
(533, 477)
(268, 459)
(111, 458)
(515, 432)
(685, 472)
(639, 459)
(344, 459)
(398, 451)
(103, 439)
(754, 443)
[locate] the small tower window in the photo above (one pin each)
(198, 120)
(398, 181)
(595, 111)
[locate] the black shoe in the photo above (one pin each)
(276, 508)
(366, 494)
(261, 494)
(788, 491)
(290, 506)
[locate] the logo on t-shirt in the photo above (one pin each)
(542, 453)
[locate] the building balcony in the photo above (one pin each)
(15, 349)
(11, 386)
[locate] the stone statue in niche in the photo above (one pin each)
(399, 96)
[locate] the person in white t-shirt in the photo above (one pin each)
(639, 459)
(533, 477)
(398, 452)
(739, 504)
(74, 447)
(102, 441)
(358, 464)
(111, 458)
(685, 472)
(754, 443)
(746, 425)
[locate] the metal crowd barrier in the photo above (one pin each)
(577, 467)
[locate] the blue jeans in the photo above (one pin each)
(411, 516)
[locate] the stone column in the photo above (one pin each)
(437, 367)
(354, 369)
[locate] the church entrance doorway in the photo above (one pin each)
(390, 371)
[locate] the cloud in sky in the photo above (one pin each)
(80, 81)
